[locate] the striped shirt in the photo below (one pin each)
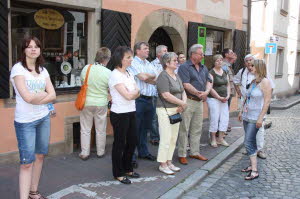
(143, 66)
(157, 65)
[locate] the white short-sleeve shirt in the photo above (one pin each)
(26, 112)
(119, 103)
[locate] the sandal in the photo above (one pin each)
(247, 169)
(252, 176)
(34, 193)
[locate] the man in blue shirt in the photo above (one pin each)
(197, 84)
(145, 76)
(154, 134)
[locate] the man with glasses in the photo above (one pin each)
(228, 56)
(242, 81)
(197, 84)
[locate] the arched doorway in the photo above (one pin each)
(163, 22)
(159, 37)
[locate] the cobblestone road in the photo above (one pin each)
(279, 173)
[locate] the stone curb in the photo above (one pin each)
(274, 107)
(197, 176)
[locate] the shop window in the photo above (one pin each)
(63, 41)
(214, 45)
(279, 62)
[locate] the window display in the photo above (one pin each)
(63, 36)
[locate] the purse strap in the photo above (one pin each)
(87, 75)
(163, 104)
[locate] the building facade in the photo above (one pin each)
(278, 22)
(81, 26)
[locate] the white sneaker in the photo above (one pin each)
(174, 168)
(166, 170)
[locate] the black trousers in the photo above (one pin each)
(125, 140)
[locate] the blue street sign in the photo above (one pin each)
(271, 48)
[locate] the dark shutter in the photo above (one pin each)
(4, 68)
(239, 47)
(115, 30)
(192, 34)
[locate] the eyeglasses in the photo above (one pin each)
(201, 54)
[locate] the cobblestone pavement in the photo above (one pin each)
(279, 173)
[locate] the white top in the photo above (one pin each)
(26, 112)
(254, 103)
(246, 78)
(119, 103)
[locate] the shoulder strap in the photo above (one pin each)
(242, 73)
(87, 75)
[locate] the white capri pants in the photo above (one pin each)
(218, 115)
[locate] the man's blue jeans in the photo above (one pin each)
(144, 116)
(154, 134)
(250, 138)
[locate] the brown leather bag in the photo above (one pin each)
(80, 101)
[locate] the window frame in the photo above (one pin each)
(278, 69)
(284, 7)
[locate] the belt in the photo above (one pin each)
(146, 97)
(194, 98)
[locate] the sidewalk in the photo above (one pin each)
(68, 177)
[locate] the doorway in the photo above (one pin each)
(159, 37)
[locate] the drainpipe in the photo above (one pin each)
(249, 27)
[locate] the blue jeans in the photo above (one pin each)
(144, 116)
(33, 138)
(154, 134)
(250, 138)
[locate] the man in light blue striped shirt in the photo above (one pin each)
(154, 134)
(145, 76)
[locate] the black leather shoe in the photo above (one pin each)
(133, 175)
(154, 142)
(149, 157)
(125, 180)
(134, 164)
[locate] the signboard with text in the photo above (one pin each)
(49, 19)
(271, 48)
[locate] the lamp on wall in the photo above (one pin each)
(266, 1)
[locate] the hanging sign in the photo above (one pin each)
(49, 19)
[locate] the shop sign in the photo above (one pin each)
(49, 19)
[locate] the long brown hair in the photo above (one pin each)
(39, 61)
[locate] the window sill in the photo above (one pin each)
(278, 76)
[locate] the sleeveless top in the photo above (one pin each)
(220, 83)
(254, 103)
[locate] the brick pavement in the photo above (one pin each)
(279, 173)
(72, 175)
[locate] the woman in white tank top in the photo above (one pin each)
(258, 98)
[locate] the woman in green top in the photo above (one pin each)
(217, 102)
(95, 107)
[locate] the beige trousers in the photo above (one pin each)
(191, 124)
(87, 116)
(168, 134)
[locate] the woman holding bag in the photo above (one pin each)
(95, 105)
(172, 100)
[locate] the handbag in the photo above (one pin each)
(81, 96)
(173, 118)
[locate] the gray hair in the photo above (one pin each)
(249, 56)
(194, 48)
(166, 58)
(160, 48)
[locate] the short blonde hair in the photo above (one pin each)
(215, 58)
(102, 55)
(260, 67)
